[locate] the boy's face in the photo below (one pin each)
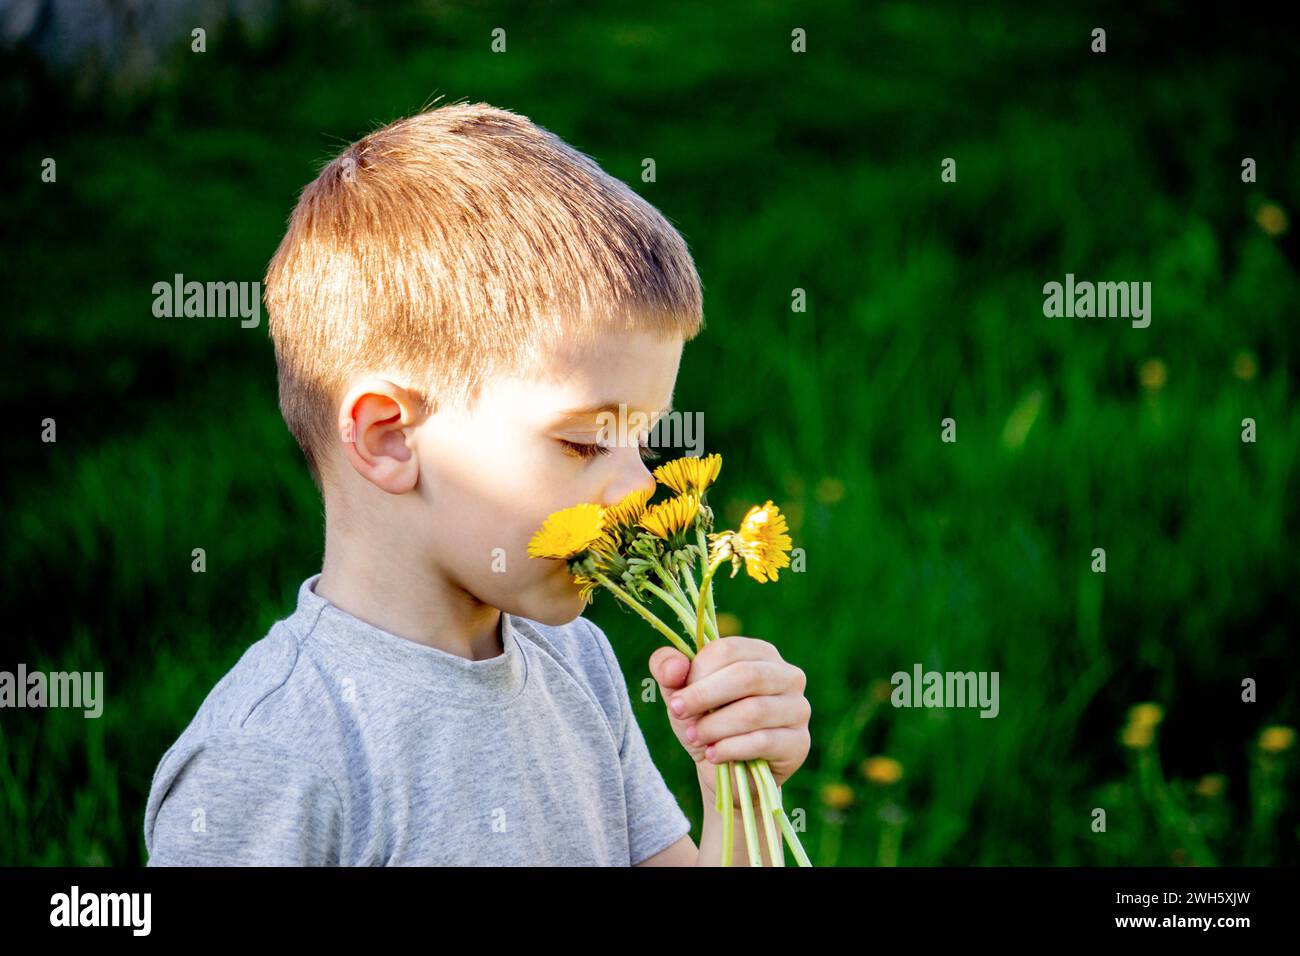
(490, 476)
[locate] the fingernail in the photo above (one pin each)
(691, 735)
(678, 705)
(711, 753)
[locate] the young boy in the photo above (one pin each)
(457, 298)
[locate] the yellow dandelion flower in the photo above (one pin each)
(728, 624)
(1139, 736)
(1271, 218)
(586, 587)
(1243, 366)
(1153, 374)
(628, 511)
(1211, 785)
(671, 517)
(830, 490)
(882, 771)
(1146, 715)
(1275, 739)
(689, 475)
(605, 548)
(568, 532)
(837, 796)
(763, 543)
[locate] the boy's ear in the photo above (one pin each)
(376, 421)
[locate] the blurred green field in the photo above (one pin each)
(817, 171)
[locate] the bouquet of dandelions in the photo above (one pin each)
(638, 551)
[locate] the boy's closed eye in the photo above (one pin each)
(589, 450)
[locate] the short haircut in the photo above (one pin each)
(459, 242)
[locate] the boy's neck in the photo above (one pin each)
(403, 598)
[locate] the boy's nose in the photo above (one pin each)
(632, 477)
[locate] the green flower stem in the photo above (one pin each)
(708, 586)
(706, 629)
(792, 838)
(775, 851)
(681, 603)
(683, 615)
(747, 815)
(710, 628)
(726, 811)
(765, 769)
(706, 593)
(674, 587)
(653, 621)
(689, 578)
(761, 769)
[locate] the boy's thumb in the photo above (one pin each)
(670, 667)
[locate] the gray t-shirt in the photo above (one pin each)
(332, 742)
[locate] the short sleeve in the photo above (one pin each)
(237, 798)
(655, 820)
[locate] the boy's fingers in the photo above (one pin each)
(753, 713)
(716, 655)
(782, 747)
(670, 668)
(747, 678)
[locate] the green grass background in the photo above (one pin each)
(817, 171)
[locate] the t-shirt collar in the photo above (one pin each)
(374, 652)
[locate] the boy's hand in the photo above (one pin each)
(759, 709)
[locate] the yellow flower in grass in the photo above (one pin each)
(689, 475)
(882, 771)
(1243, 366)
(830, 490)
(1271, 218)
(728, 624)
(1211, 785)
(569, 532)
(837, 796)
(1152, 374)
(1276, 738)
(763, 543)
(671, 517)
(1139, 736)
(1145, 715)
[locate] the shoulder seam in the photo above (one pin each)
(620, 687)
(201, 740)
(274, 744)
(297, 653)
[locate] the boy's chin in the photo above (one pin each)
(557, 612)
(557, 603)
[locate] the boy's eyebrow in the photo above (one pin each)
(611, 408)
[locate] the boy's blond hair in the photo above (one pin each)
(454, 243)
